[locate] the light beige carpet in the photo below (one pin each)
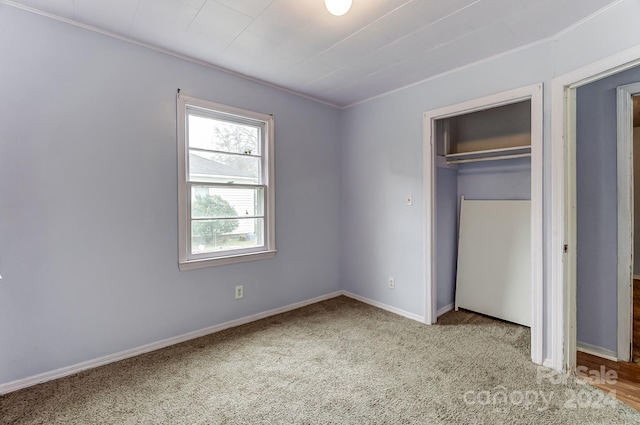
(336, 362)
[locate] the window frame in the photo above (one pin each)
(187, 260)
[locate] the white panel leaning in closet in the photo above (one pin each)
(494, 259)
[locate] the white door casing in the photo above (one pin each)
(624, 124)
(562, 285)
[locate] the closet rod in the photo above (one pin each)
(489, 158)
(490, 151)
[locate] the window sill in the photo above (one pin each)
(221, 261)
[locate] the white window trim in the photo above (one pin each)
(235, 256)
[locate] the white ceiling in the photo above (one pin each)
(379, 46)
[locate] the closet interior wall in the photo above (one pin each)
(502, 179)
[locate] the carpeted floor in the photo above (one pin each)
(335, 362)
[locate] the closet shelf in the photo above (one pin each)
(489, 154)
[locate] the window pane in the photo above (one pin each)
(212, 134)
(223, 168)
(226, 234)
(220, 202)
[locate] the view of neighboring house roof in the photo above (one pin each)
(209, 167)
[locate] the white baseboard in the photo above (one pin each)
(597, 351)
(445, 309)
(90, 364)
(101, 361)
(383, 306)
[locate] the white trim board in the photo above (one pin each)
(101, 361)
(445, 309)
(597, 351)
(533, 93)
(562, 337)
(383, 306)
(625, 208)
(122, 355)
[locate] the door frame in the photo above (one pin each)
(534, 93)
(625, 173)
(563, 338)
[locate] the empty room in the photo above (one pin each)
(315, 212)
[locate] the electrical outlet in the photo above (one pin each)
(392, 283)
(239, 292)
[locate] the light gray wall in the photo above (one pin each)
(446, 235)
(507, 179)
(383, 149)
(596, 198)
(381, 235)
(88, 191)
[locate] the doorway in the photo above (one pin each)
(635, 305)
(604, 214)
(628, 216)
(602, 185)
(563, 241)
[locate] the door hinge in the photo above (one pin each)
(566, 248)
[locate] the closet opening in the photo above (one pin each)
(483, 192)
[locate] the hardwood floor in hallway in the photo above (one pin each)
(636, 321)
(627, 383)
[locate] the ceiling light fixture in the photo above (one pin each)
(338, 7)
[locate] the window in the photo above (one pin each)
(225, 184)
